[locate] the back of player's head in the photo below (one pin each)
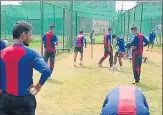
(114, 36)
(21, 27)
(52, 26)
(134, 28)
(81, 32)
(109, 29)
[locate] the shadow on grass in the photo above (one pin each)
(147, 87)
(52, 81)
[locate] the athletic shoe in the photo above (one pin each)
(112, 68)
(100, 64)
(120, 69)
(136, 83)
(49, 77)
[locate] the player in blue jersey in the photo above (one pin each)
(16, 76)
(137, 44)
(120, 52)
(125, 100)
(79, 42)
(152, 37)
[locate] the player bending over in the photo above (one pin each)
(125, 100)
(120, 52)
(107, 49)
(49, 41)
(79, 42)
(137, 50)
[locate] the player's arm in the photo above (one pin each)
(85, 41)
(41, 66)
(145, 41)
(109, 42)
(43, 39)
(55, 40)
(75, 40)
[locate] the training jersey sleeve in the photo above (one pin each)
(75, 41)
(55, 39)
(43, 39)
(41, 66)
(145, 41)
(2, 45)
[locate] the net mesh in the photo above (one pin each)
(70, 17)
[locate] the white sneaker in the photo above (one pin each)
(120, 69)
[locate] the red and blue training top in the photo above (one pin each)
(49, 41)
(79, 41)
(125, 100)
(138, 41)
(107, 39)
(17, 63)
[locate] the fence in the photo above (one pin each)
(146, 16)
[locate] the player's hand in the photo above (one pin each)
(33, 90)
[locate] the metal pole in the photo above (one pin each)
(141, 18)
(54, 14)
(134, 16)
(162, 20)
(128, 29)
(63, 28)
(72, 9)
(151, 24)
(5, 24)
(42, 24)
(124, 24)
(76, 23)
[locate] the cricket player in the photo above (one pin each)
(79, 44)
(152, 37)
(107, 49)
(92, 37)
(50, 42)
(125, 100)
(137, 50)
(120, 52)
(2, 45)
(16, 76)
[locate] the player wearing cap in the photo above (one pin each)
(152, 37)
(50, 41)
(137, 50)
(107, 49)
(125, 100)
(79, 44)
(120, 52)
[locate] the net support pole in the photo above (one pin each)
(162, 21)
(72, 9)
(63, 28)
(42, 24)
(134, 16)
(151, 24)
(76, 22)
(54, 14)
(128, 27)
(5, 24)
(124, 24)
(141, 18)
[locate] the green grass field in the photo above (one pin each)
(82, 90)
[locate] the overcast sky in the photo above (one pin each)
(126, 4)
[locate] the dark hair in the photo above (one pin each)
(81, 32)
(114, 35)
(19, 28)
(133, 28)
(51, 26)
(109, 29)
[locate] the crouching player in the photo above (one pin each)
(79, 42)
(120, 52)
(125, 100)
